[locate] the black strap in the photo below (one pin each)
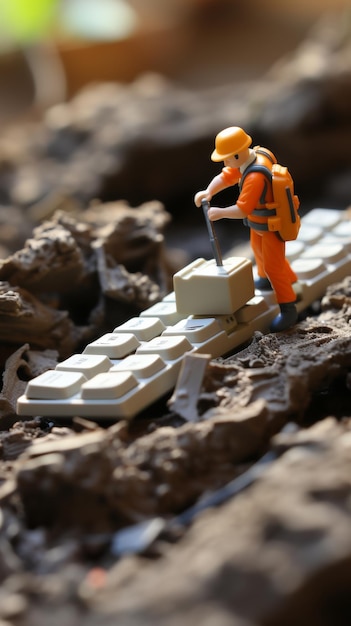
(264, 212)
(256, 225)
(255, 167)
(266, 154)
(262, 169)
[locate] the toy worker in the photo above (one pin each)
(232, 146)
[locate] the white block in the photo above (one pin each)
(203, 288)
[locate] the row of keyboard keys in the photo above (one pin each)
(60, 384)
(120, 373)
(96, 377)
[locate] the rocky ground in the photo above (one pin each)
(239, 515)
(235, 510)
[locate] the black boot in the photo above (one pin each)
(286, 318)
(263, 284)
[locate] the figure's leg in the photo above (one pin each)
(281, 276)
(262, 282)
(290, 272)
(277, 268)
(256, 245)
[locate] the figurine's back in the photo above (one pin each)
(285, 219)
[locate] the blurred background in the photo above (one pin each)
(121, 99)
(52, 48)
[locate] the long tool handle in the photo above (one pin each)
(213, 237)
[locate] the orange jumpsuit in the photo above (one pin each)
(268, 248)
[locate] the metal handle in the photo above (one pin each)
(213, 237)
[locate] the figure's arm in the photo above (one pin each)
(217, 184)
(248, 200)
(232, 212)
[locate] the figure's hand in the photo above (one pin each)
(202, 195)
(215, 213)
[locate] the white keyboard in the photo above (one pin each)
(125, 371)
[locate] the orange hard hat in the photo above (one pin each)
(230, 141)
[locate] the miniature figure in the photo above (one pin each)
(248, 167)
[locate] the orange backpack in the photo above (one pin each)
(285, 219)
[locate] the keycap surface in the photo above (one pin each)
(142, 365)
(113, 345)
(144, 328)
(87, 364)
(53, 384)
(108, 386)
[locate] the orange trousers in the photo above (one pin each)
(269, 253)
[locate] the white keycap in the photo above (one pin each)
(165, 311)
(309, 235)
(255, 307)
(324, 218)
(308, 268)
(53, 384)
(169, 348)
(294, 249)
(108, 386)
(170, 297)
(343, 230)
(142, 365)
(195, 329)
(329, 253)
(87, 364)
(113, 345)
(144, 328)
(206, 289)
(332, 238)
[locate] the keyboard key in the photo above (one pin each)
(342, 230)
(142, 365)
(169, 348)
(309, 235)
(324, 218)
(206, 289)
(196, 329)
(294, 249)
(255, 307)
(144, 328)
(308, 268)
(165, 311)
(332, 238)
(113, 345)
(108, 386)
(329, 253)
(55, 385)
(170, 297)
(87, 364)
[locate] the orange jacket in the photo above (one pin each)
(256, 190)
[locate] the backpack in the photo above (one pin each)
(285, 220)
